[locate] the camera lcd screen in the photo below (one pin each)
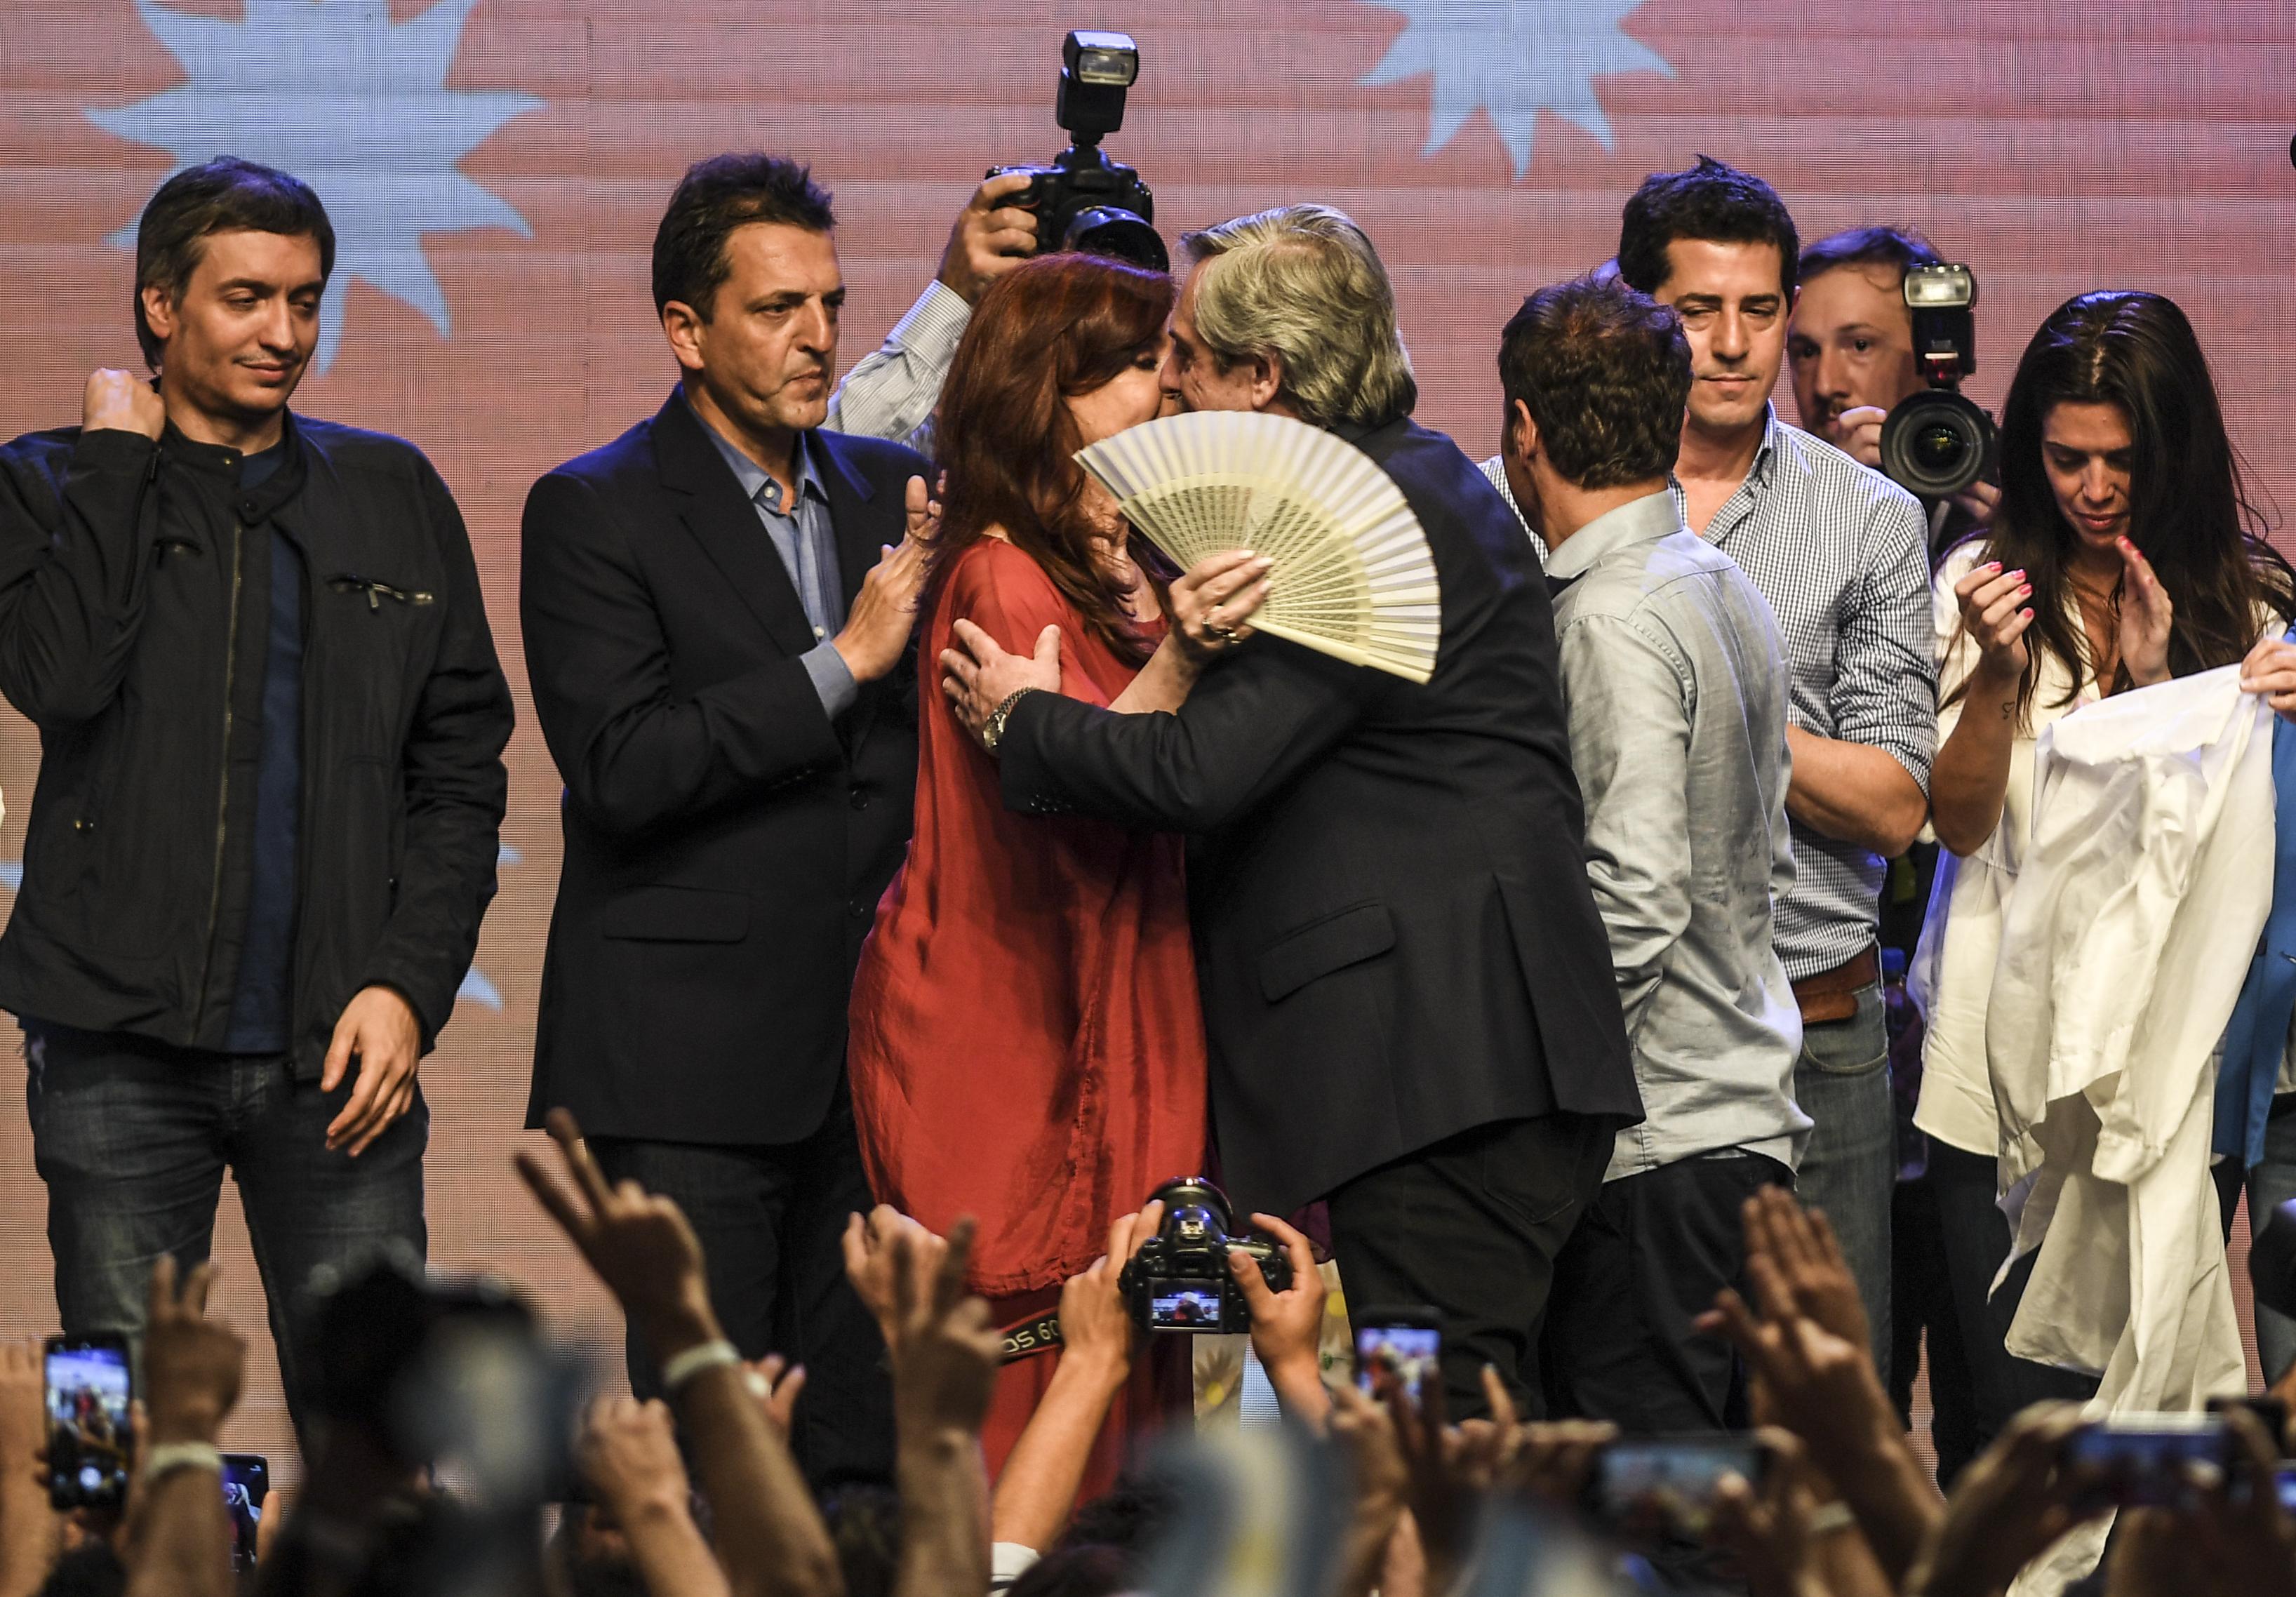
(2144, 1464)
(1185, 1304)
(246, 1483)
(1413, 1354)
(1669, 1481)
(88, 1393)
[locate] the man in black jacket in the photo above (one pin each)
(271, 783)
(718, 641)
(1407, 991)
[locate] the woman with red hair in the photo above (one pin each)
(1026, 1045)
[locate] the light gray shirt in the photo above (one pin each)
(1842, 554)
(893, 392)
(1677, 689)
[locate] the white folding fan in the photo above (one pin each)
(1352, 575)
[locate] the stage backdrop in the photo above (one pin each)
(496, 168)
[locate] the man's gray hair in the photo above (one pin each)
(1304, 282)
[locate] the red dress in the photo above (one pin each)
(1027, 1042)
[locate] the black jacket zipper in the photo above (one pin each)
(223, 790)
(377, 592)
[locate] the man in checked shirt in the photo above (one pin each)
(1840, 552)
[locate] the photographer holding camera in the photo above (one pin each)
(1082, 200)
(1850, 342)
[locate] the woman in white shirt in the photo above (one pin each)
(2124, 553)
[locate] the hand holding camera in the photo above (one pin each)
(1084, 200)
(1182, 1279)
(991, 235)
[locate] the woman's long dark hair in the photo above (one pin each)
(2189, 514)
(1049, 330)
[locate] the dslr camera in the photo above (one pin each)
(1179, 1279)
(1939, 442)
(1084, 200)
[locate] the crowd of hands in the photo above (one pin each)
(1843, 1508)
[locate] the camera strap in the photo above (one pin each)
(1031, 1336)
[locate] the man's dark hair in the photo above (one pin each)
(1712, 201)
(223, 195)
(864, 1527)
(1605, 373)
(1132, 1514)
(714, 198)
(1901, 248)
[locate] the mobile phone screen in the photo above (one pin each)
(246, 1483)
(1653, 1482)
(2143, 1461)
(89, 1391)
(1412, 1354)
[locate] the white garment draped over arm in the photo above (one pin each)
(2124, 943)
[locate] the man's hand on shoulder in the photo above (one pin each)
(990, 238)
(978, 676)
(117, 401)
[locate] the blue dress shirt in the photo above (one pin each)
(804, 538)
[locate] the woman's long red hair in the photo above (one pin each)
(1049, 330)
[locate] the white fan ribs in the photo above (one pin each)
(1352, 574)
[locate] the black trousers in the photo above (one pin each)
(1922, 1309)
(1648, 1257)
(769, 1219)
(1975, 1234)
(1471, 1226)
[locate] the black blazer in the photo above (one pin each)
(726, 843)
(1395, 936)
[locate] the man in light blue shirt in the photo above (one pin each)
(1675, 685)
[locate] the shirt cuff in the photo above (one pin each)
(833, 678)
(1007, 1562)
(933, 325)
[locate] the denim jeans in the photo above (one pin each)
(1849, 1168)
(133, 1137)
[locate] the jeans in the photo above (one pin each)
(1471, 1226)
(769, 1219)
(133, 1137)
(1849, 1169)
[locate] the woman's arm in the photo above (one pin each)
(1970, 776)
(1208, 610)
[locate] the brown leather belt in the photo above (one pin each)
(1833, 994)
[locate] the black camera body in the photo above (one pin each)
(1084, 200)
(1939, 442)
(1179, 1279)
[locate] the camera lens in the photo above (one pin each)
(1111, 231)
(1936, 443)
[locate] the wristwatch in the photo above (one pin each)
(992, 730)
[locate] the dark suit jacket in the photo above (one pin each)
(726, 843)
(1396, 940)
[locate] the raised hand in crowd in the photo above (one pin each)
(1768, 1528)
(629, 1460)
(771, 1540)
(31, 1533)
(869, 1260)
(1815, 1376)
(1287, 1327)
(1037, 1487)
(1550, 1461)
(178, 1532)
(990, 237)
(2015, 1499)
(1379, 1489)
(944, 1351)
(778, 1385)
(2244, 1539)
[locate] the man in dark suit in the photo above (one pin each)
(716, 638)
(1407, 988)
